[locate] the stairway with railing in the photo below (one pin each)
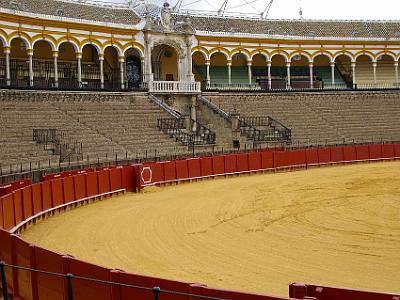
(183, 129)
(264, 129)
(58, 142)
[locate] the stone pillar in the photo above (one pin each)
(193, 113)
(333, 73)
(208, 79)
(249, 71)
(189, 76)
(79, 58)
(7, 52)
(311, 75)
(269, 75)
(55, 57)
(30, 56)
(396, 72)
(353, 72)
(148, 74)
(101, 63)
(143, 68)
(288, 81)
(121, 69)
(374, 65)
(229, 64)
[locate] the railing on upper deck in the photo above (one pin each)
(183, 87)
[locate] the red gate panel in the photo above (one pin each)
(312, 157)
(68, 188)
(103, 179)
(388, 151)
(116, 179)
(362, 152)
(27, 201)
(194, 167)
(280, 159)
(206, 164)
(218, 164)
(152, 173)
(254, 161)
(1, 215)
(397, 150)
(242, 162)
(375, 151)
(37, 198)
(92, 188)
(230, 163)
(8, 211)
(337, 154)
(46, 195)
(324, 155)
(18, 206)
(79, 186)
(57, 192)
(23, 277)
(182, 169)
(169, 170)
(267, 159)
(349, 153)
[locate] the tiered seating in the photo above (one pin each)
(106, 125)
(324, 118)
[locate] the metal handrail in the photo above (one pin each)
(276, 131)
(164, 106)
(214, 107)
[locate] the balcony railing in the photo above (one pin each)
(183, 87)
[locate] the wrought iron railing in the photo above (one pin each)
(214, 107)
(164, 106)
(175, 128)
(271, 130)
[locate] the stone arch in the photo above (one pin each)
(218, 67)
(199, 68)
(90, 66)
(344, 53)
(301, 53)
(282, 53)
(112, 70)
(220, 50)
(74, 42)
(135, 47)
(385, 70)
(3, 38)
(93, 43)
(202, 50)
(19, 68)
(43, 66)
(133, 67)
(116, 46)
(67, 64)
(366, 53)
(47, 38)
(260, 52)
(164, 61)
(172, 44)
(322, 53)
(388, 53)
(241, 51)
(23, 37)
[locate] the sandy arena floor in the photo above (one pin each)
(333, 226)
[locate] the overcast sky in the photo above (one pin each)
(312, 9)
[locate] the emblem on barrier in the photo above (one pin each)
(147, 175)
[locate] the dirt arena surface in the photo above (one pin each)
(333, 226)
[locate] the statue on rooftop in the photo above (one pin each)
(166, 16)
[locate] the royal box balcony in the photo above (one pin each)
(174, 87)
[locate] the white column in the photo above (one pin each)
(229, 64)
(101, 63)
(55, 56)
(269, 75)
(333, 73)
(288, 81)
(79, 58)
(30, 56)
(249, 71)
(148, 73)
(208, 79)
(121, 69)
(311, 75)
(190, 76)
(374, 65)
(353, 70)
(7, 52)
(143, 66)
(396, 72)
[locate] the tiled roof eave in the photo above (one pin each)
(138, 26)
(291, 37)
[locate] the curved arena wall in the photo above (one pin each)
(21, 206)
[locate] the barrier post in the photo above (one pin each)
(3, 280)
(69, 286)
(156, 292)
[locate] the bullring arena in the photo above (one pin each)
(149, 151)
(335, 226)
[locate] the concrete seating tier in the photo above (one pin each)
(319, 118)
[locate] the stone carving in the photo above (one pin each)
(173, 44)
(166, 16)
